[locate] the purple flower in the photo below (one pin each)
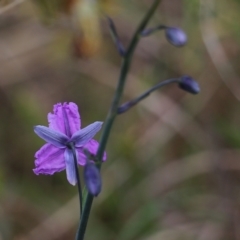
(65, 129)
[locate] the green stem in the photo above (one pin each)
(122, 79)
(126, 106)
(113, 111)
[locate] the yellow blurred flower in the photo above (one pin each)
(85, 16)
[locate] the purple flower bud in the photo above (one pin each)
(189, 84)
(92, 179)
(176, 36)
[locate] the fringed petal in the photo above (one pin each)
(57, 119)
(92, 147)
(49, 160)
(82, 159)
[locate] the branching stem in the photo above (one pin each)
(113, 110)
(126, 106)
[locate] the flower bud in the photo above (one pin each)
(176, 36)
(189, 84)
(92, 179)
(120, 47)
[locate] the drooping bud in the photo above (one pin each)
(92, 179)
(189, 84)
(120, 47)
(176, 36)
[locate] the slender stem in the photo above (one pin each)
(113, 111)
(150, 31)
(122, 79)
(126, 106)
(78, 178)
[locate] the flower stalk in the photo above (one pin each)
(126, 106)
(186, 83)
(114, 110)
(149, 31)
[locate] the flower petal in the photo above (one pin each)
(82, 159)
(92, 147)
(49, 160)
(84, 135)
(57, 119)
(70, 167)
(56, 138)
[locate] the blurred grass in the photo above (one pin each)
(173, 161)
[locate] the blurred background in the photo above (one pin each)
(173, 169)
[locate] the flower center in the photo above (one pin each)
(70, 144)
